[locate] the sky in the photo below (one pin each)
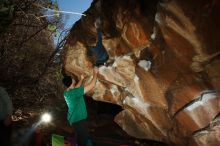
(78, 6)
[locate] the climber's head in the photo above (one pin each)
(68, 80)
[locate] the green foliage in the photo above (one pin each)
(56, 8)
(6, 16)
(52, 27)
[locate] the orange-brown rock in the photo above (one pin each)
(164, 66)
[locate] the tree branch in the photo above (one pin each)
(31, 36)
(57, 49)
(25, 25)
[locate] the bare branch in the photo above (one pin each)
(60, 45)
(31, 36)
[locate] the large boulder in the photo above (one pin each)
(163, 67)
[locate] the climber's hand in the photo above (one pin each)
(98, 22)
(95, 70)
(82, 77)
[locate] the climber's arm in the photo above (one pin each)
(80, 81)
(92, 83)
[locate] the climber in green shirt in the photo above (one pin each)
(77, 112)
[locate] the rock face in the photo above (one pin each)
(164, 66)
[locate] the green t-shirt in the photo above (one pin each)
(76, 105)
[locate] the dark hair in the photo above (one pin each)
(67, 81)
